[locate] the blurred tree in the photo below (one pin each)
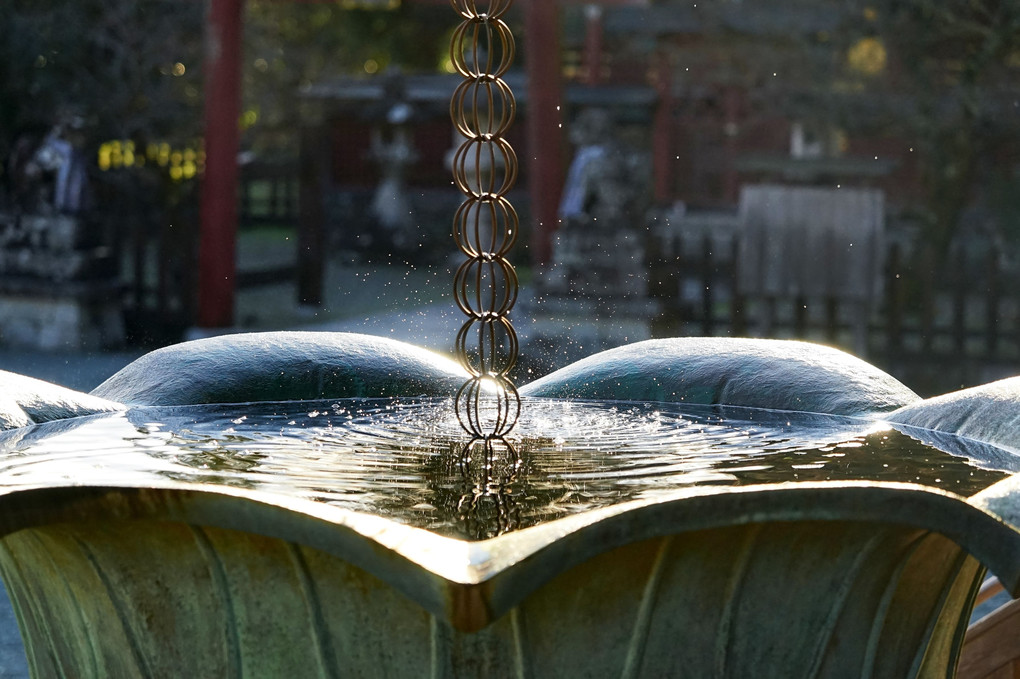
(131, 69)
(943, 75)
(129, 73)
(289, 46)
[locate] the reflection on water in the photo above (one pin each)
(491, 467)
(409, 459)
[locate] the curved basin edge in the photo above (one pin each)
(571, 541)
(472, 584)
(374, 544)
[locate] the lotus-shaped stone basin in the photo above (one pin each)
(298, 505)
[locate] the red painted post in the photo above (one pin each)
(311, 256)
(545, 116)
(218, 211)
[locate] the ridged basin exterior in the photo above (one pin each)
(807, 579)
(793, 582)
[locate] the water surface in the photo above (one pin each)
(405, 459)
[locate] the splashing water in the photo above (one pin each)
(401, 458)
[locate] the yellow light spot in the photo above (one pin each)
(104, 157)
(248, 119)
(870, 13)
(867, 56)
(178, 69)
(842, 141)
(176, 173)
(261, 65)
(371, 66)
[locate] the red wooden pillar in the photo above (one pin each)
(311, 255)
(545, 116)
(218, 210)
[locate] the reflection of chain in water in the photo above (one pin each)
(486, 225)
(488, 506)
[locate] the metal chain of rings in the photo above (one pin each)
(485, 226)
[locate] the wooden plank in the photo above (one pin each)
(992, 300)
(959, 280)
(707, 285)
(991, 643)
(738, 317)
(894, 290)
(989, 588)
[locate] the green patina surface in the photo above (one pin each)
(791, 599)
(25, 401)
(282, 366)
(776, 374)
(784, 580)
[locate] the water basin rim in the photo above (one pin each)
(937, 435)
(733, 412)
(550, 547)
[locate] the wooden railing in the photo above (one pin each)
(268, 194)
(991, 649)
(969, 319)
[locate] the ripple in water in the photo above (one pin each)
(402, 458)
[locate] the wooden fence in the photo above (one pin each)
(268, 194)
(962, 330)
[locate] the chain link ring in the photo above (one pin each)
(485, 226)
